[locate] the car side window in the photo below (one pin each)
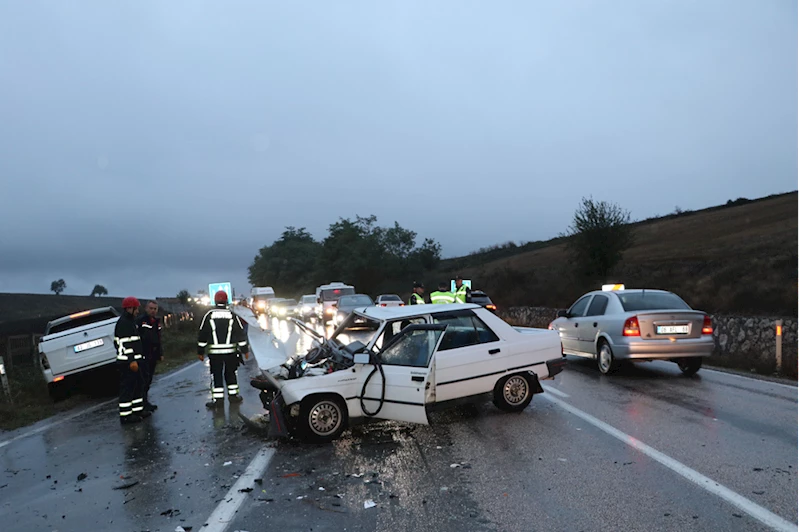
(413, 350)
(578, 309)
(484, 334)
(463, 329)
(597, 306)
(393, 328)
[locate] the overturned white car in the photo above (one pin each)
(398, 363)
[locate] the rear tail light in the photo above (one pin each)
(491, 307)
(631, 327)
(707, 326)
(382, 304)
(58, 379)
(402, 304)
(551, 328)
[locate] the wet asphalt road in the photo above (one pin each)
(473, 468)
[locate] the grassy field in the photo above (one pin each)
(32, 401)
(739, 259)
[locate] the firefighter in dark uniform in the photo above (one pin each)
(222, 336)
(417, 297)
(129, 355)
(150, 331)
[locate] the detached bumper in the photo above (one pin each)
(277, 421)
(555, 366)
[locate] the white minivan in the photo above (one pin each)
(326, 297)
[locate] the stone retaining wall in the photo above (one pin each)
(742, 342)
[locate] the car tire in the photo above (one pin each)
(513, 393)
(689, 365)
(605, 361)
(322, 418)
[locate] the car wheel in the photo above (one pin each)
(513, 393)
(322, 418)
(605, 360)
(689, 366)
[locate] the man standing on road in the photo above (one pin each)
(129, 354)
(417, 298)
(442, 296)
(463, 294)
(222, 333)
(150, 330)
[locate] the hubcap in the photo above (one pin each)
(515, 390)
(324, 418)
(604, 358)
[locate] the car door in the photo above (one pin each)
(467, 359)
(407, 364)
(568, 327)
(589, 325)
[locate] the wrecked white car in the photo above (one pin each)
(398, 363)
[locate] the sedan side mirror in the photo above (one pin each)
(563, 314)
(362, 358)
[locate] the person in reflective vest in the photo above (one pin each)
(222, 336)
(463, 294)
(442, 296)
(129, 355)
(417, 297)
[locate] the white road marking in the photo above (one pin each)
(555, 391)
(226, 510)
(750, 507)
(48, 426)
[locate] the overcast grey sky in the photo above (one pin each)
(156, 145)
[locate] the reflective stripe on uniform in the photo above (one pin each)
(202, 344)
(218, 393)
(138, 405)
(147, 326)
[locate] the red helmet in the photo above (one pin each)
(130, 302)
(220, 297)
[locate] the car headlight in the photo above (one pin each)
(331, 310)
(261, 304)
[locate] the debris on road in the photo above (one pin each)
(126, 485)
(82, 476)
(259, 481)
(289, 475)
(227, 464)
(369, 503)
(245, 490)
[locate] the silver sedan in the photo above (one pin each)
(614, 325)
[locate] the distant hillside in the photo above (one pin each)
(734, 258)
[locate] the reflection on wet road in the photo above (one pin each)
(473, 468)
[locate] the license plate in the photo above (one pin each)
(88, 345)
(672, 329)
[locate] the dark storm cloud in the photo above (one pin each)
(158, 145)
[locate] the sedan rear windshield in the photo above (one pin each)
(80, 322)
(348, 301)
(635, 301)
(390, 298)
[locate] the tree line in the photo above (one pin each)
(358, 252)
(60, 285)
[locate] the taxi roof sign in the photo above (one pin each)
(612, 287)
